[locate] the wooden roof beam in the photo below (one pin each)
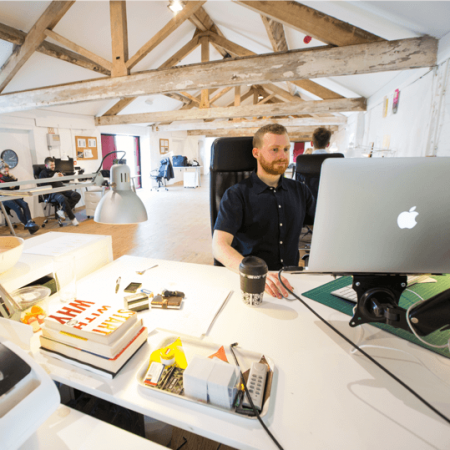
(230, 125)
(49, 19)
(309, 21)
(294, 134)
(172, 61)
(80, 50)
(279, 109)
(183, 15)
(277, 36)
(293, 65)
(119, 37)
(309, 85)
(17, 37)
(203, 22)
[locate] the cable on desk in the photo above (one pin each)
(251, 401)
(349, 341)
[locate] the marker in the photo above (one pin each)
(117, 284)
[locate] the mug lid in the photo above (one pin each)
(252, 265)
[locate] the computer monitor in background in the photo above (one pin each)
(65, 166)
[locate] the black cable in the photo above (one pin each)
(251, 401)
(110, 153)
(363, 352)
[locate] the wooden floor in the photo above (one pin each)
(178, 228)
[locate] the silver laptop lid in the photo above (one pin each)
(382, 215)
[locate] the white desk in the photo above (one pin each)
(324, 397)
(191, 175)
(70, 429)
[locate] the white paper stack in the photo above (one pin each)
(195, 378)
(222, 383)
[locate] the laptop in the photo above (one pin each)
(382, 215)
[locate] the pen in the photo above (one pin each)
(117, 284)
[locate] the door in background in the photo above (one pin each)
(128, 144)
(108, 145)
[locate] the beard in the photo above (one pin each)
(274, 168)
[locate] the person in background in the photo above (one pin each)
(321, 140)
(66, 199)
(308, 151)
(263, 215)
(19, 205)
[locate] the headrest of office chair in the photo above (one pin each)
(233, 154)
(312, 164)
(37, 169)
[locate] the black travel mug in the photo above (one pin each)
(253, 272)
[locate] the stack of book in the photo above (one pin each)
(99, 338)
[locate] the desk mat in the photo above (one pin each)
(322, 294)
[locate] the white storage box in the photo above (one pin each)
(91, 198)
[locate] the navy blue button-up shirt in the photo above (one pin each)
(266, 222)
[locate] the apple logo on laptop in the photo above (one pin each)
(407, 219)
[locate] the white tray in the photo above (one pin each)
(194, 347)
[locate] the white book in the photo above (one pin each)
(94, 321)
(108, 350)
(112, 365)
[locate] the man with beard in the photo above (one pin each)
(263, 215)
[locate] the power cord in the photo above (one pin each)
(349, 341)
(410, 325)
(251, 401)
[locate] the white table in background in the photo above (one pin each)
(191, 178)
(323, 396)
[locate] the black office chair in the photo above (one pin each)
(37, 168)
(307, 171)
(231, 161)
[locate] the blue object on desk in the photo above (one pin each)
(146, 291)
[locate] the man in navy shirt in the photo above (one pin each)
(263, 215)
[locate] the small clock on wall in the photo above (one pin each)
(10, 157)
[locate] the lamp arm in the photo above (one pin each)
(110, 153)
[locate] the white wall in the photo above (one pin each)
(33, 148)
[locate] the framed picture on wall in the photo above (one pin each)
(163, 146)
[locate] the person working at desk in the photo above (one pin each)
(321, 140)
(263, 215)
(19, 205)
(66, 199)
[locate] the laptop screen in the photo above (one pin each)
(382, 215)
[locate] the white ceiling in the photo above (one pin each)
(87, 23)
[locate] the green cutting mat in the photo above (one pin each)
(322, 294)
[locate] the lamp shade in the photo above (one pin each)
(120, 205)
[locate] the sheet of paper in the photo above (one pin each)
(199, 309)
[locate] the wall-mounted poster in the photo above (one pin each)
(86, 147)
(163, 146)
